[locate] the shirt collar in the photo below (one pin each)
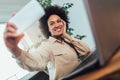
(53, 40)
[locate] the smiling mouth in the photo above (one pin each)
(58, 30)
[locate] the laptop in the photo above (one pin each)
(104, 18)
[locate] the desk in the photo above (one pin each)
(112, 66)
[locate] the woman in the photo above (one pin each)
(55, 52)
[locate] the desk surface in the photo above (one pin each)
(112, 66)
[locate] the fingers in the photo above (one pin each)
(64, 23)
(10, 27)
(15, 36)
(9, 34)
(10, 30)
(10, 24)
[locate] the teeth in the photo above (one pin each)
(58, 29)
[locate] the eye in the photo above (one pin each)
(59, 20)
(51, 23)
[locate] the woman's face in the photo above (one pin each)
(56, 25)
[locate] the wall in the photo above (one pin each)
(79, 20)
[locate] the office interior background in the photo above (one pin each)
(78, 21)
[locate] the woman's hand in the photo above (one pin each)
(11, 37)
(65, 34)
(64, 26)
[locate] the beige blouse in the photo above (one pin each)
(58, 56)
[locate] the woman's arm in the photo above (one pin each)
(79, 45)
(35, 61)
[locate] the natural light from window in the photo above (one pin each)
(9, 68)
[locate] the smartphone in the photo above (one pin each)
(27, 16)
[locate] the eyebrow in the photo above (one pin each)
(56, 20)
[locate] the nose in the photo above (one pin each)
(56, 24)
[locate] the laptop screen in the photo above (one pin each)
(104, 16)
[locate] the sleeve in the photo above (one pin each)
(80, 46)
(37, 60)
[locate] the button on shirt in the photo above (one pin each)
(58, 56)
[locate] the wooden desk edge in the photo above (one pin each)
(112, 66)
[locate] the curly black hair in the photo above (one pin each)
(48, 12)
